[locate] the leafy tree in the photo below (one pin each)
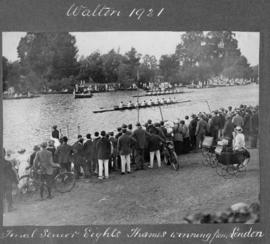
(48, 55)
(203, 55)
(91, 68)
(131, 63)
(169, 66)
(255, 73)
(148, 69)
(5, 72)
(13, 77)
(111, 62)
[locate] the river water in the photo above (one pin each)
(28, 121)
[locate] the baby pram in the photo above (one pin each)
(230, 162)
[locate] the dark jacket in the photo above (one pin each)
(228, 129)
(78, 149)
(154, 142)
(52, 150)
(160, 132)
(88, 149)
(64, 153)
(254, 123)
(95, 147)
(192, 127)
(124, 144)
(55, 134)
(164, 130)
(103, 148)
(8, 173)
(140, 136)
(32, 157)
(113, 141)
(202, 127)
(222, 121)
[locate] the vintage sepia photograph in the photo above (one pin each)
(130, 127)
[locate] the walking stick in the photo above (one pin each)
(162, 119)
(67, 131)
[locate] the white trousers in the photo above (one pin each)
(152, 155)
(125, 160)
(103, 164)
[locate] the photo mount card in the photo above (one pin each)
(139, 24)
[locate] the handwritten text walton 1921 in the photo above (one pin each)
(107, 11)
(98, 234)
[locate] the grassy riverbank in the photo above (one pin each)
(152, 196)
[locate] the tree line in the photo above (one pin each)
(50, 61)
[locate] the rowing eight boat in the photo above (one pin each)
(116, 108)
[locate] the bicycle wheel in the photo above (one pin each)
(64, 182)
(27, 185)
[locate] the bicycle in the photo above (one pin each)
(170, 156)
(63, 182)
(230, 165)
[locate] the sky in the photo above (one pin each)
(154, 43)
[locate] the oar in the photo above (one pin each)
(79, 129)
(138, 110)
(160, 110)
(67, 130)
(208, 106)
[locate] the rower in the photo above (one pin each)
(164, 100)
(161, 101)
(143, 103)
(156, 102)
(169, 100)
(149, 102)
(130, 104)
(121, 105)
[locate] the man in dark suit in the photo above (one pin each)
(64, 154)
(95, 159)
(113, 159)
(140, 136)
(192, 130)
(155, 142)
(201, 130)
(124, 147)
(88, 152)
(228, 130)
(103, 155)
(78, 159)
